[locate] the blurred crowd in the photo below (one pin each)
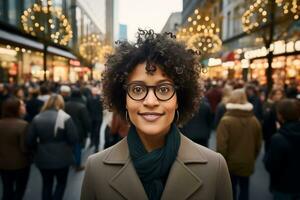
(48, 124)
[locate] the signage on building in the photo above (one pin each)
(74, 62)
(278, 47)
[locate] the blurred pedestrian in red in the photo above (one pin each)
(14, 162)
(239, 140)
(118, 130)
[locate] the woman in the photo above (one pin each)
(52, 134)
(14, 163)
(153, 84)
(238, 140)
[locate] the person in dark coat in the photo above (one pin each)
(253, 98)
(221, 107)
(14, 162)
(77, 109)
(282, 160)
(65, 92)
(198, 128)
(33, 105)
(4, 94)
(269, 126)
(95, 109)
(52, 136)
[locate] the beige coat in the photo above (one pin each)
(239, 137)
(197, 173)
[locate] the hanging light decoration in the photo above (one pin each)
(104, 52)
(258, 12)
(201, 33)
(89, 47)
(44, 20)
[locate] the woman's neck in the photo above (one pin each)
(152, 142)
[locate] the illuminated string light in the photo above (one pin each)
(201, 33)
(257, 13)
(32, 25)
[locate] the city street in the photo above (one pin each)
(258, 184)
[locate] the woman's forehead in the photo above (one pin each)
(140, 74)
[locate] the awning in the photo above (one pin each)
(61, 52)
(20, 40)
(228, 56)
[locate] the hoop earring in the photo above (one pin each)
(127, 116)
(177, 116)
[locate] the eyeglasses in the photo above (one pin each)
(139, 91)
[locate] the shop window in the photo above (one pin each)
(12, 12)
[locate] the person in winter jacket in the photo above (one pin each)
(198, 128)
(76, 108)
(239, 137)
(52, 136)
(14, 162)
(282, 160)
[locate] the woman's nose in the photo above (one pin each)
(151, 99)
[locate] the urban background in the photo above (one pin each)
(60, 46)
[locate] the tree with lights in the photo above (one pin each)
(267, 15)
(48, 23)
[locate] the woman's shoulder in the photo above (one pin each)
(116, 154)
(193, 152)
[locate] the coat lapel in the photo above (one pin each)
(182, 182)
(126, 180)
(127, 183)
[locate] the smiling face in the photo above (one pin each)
(151, 116)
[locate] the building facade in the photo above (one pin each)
(123, 32)
(40, 41)
(173, 23)
(244, 55)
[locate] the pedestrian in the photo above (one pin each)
(33, 105)
(52, 137)
(198, 128)
(253, 98)
(239, 138)
(118, 130)
(221, 107)
(76, 108)
(65, 92)
(94, 105)
(14, 162)
(153, 84)
(282, 160)
(269, 125)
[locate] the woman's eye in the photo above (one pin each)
(138, 89)
(163, 89)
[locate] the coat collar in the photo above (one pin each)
(188, 153)
(119, 153)
(235, 106)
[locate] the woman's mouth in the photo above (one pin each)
(150, 117)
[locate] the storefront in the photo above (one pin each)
(224, 70)
(9, 65)
(20, 63)
(285, 65)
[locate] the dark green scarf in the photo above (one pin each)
(153, 168)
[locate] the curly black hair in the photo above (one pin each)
(179, 63)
